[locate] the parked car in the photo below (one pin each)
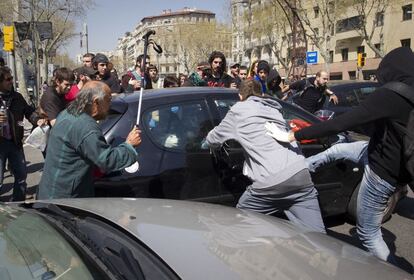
(134, 239)
(174, 165)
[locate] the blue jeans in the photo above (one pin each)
(373, 195)
(372, 201)
(355, 151)
(15, 155)
(300, 207)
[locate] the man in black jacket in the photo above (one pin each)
(312, 92)
(100, 64)
(385, 170)
(218, 76)
(13, 109)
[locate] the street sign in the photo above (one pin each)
(44, 29)
(312, 57)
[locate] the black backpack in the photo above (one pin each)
(408, 132)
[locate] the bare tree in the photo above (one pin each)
(319, 18)
(190, 43)
(270, 25)
(61, 13)
(370, 22)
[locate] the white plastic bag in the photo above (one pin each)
(38, 137)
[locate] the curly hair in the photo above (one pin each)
(85, 98)
(217, 54)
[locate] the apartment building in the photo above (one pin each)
(340, 37)
(178, 33)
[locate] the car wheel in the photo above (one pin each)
(352, 206)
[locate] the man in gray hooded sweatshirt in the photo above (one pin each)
(281, 180)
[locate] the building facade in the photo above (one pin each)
(337, 35)
(185, 36)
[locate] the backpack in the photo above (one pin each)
(408, 132)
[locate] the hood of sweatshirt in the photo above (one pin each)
(397, 65)
(274, 79)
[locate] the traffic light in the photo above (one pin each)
(8, 38)
(361, 59)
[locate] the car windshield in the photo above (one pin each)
(30, 248)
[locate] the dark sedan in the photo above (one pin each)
(350, 94)
(174, 164)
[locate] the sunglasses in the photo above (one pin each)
(9, 79)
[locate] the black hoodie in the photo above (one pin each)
(273, 83)
(380, 108)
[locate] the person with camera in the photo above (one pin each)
(13, 109)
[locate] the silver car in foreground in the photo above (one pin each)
(106, 238)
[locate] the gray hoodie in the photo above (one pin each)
(267, 162)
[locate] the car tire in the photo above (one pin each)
(352, 206)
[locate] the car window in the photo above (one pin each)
(347, 98)
(178, 126)
(363, 92)
(111, 119)
(224, 105)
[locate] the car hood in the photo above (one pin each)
(206, 241)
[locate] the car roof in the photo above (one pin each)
(121, 101)
(207, 241)
(341, 83)
(149, 94)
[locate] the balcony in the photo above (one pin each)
(347, 28)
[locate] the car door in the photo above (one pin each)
(186, 169)
(229, 159)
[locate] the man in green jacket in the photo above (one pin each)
(76, 145)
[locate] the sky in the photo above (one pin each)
(108, 20)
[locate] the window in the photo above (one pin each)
(378, 47)
(352, 75)
(332, 29)
(363, 92)
(178, 126)
(316, 12)
(344, 53)
(406, 43)
(347, 99)
(331, 56)
(379, 19)
(224, 105)
(407, 11)
(348, 24)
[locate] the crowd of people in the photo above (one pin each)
(75, 100)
